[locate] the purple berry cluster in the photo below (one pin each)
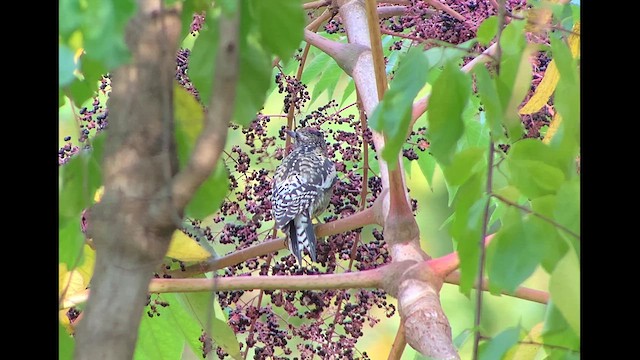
(92, 119)
(296, 92)
(182, 64)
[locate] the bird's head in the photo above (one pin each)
(307, 135)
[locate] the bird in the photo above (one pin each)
(302, 189)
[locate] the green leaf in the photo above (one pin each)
(535, 178)
(61, 98)
(348, 90)
(567, 211)
(71, 240)
(210, 194)
(466, 228)
(199, 306)
(512, 39)
(69, 17)
(557, 331)
(427, 164)
(159, 337)
(103, 30)
(313, 68)
(327, 81)
(476, 132)
(487, 30)
(393, 114)
(203, 57)
(495, 348)
(449, 97)
(189, 118)
(564, 288)
(281, 25)
(554, 245)
(534, 149)
(491, 101)
(462, 338)
(440, 56)
(253, 82)
(514, 79)
(464, 164)
(516, 250)
(254, 72)
(65, 344)
(78, 180)
(189, 326)
(92, 69)
(81, 90)
(66, 65)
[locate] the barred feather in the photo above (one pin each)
(303, 186)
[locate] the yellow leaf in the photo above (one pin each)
(86, 269)
(70, 282)
(528, 347)
(184, 248)
(553, 127)
(548, 84)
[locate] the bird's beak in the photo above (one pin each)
(293, 134)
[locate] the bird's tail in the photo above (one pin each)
(301, 236)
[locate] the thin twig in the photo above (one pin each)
(485, 226)
(399, 343)
(521, 292)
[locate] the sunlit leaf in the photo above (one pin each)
(564, 287)
(487, 30)
(557, 332)
(189, 117)
(184, 248)
(281, 25)
(529, 348)
(69, 282)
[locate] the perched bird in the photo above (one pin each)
(302, 188)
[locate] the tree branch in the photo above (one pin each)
(370, 215)
(521, 292)
(399, 343)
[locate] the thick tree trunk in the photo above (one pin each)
(139, 161)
